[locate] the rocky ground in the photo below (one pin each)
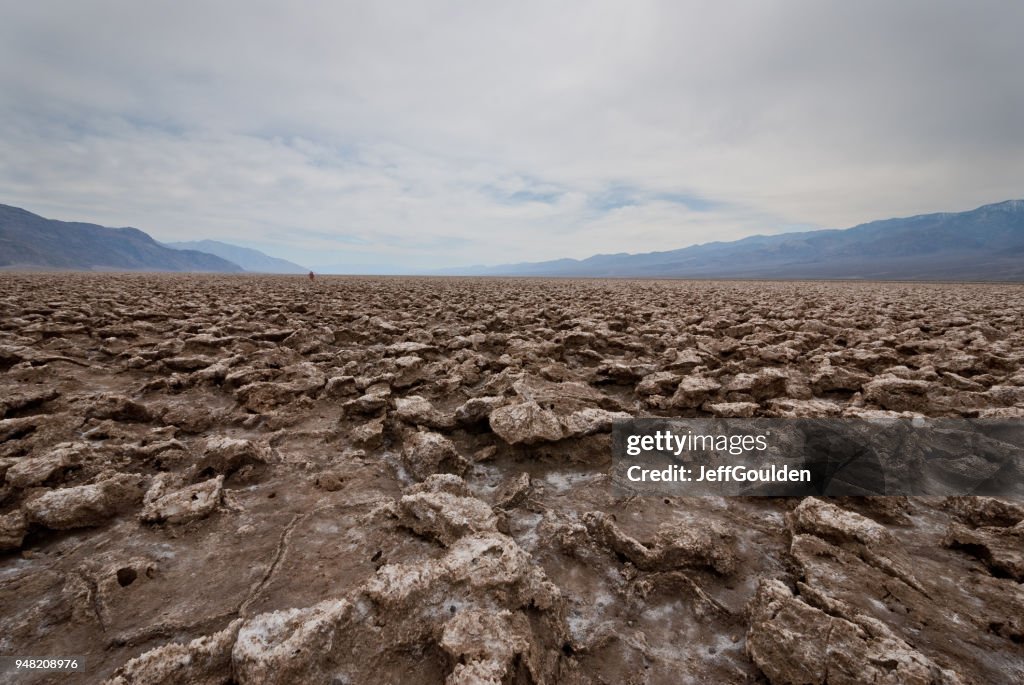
(235, 479)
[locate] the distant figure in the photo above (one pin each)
(311, 276)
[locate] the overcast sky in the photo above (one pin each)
(425, 134)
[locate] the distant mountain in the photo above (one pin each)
(28, 240)
(248, 259)
(984, 244)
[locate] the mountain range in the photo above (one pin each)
(247, 258)
(984, 244)
(29, 241)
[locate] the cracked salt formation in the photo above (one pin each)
(213, 479)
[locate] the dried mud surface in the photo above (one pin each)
(210, 479)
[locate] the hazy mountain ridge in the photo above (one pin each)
(986, 244)
(28, 240)
(247, 258)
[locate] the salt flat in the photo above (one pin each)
(372, 480)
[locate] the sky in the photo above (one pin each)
(401, 136)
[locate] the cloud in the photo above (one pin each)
(435, 134)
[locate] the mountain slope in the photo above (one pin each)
(29, 240)
(248, 259)
(986, 244)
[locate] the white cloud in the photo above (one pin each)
(432, 134)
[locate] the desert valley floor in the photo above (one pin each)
(257, 479)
